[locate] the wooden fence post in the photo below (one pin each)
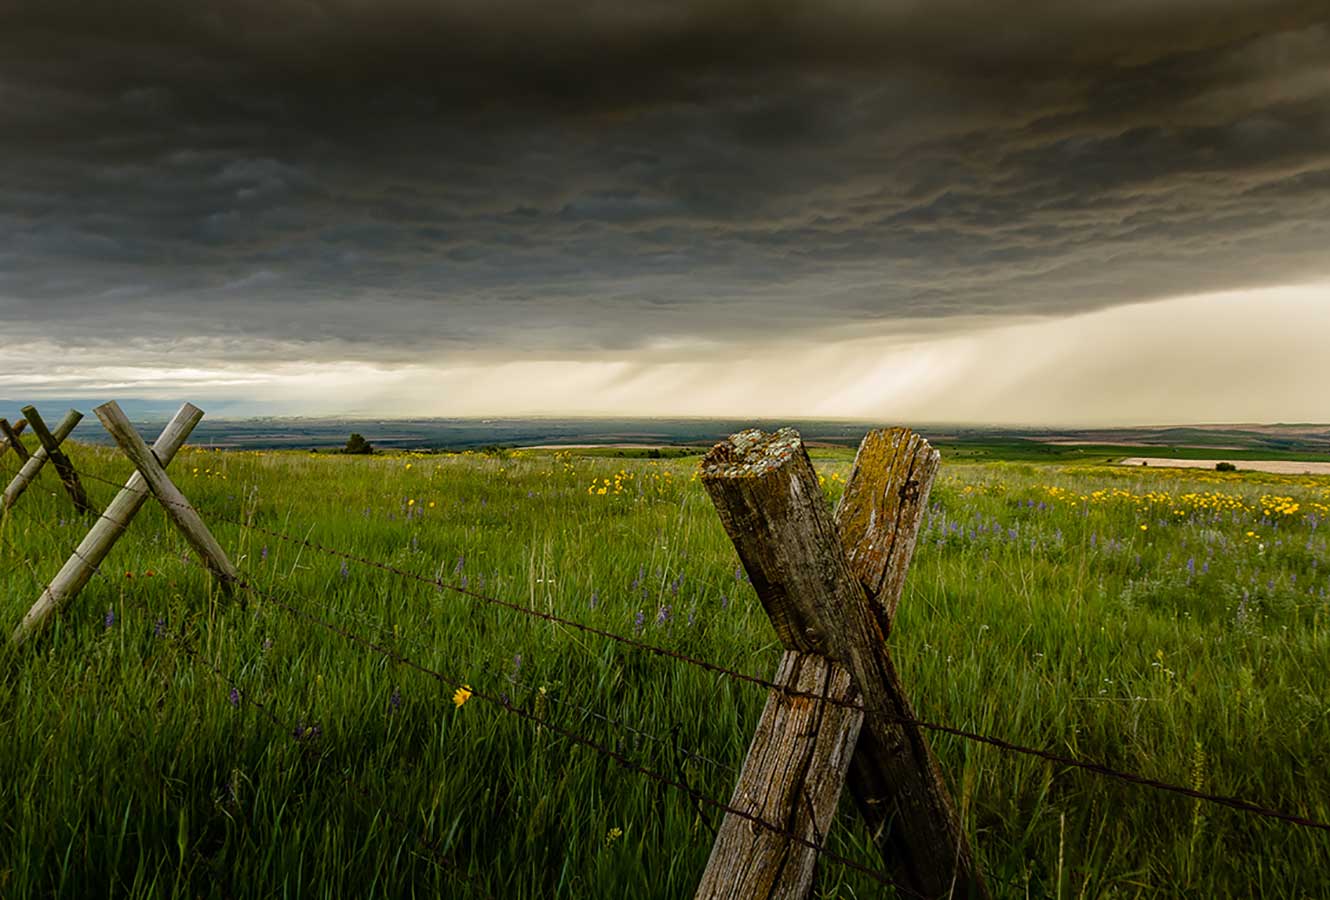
(63, 467)
(177, 508)
(11, 439)
(829, 593)
(81, 566)
(33, 466)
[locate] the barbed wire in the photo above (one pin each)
(1097, 768)
(540, 721)
(449, 866)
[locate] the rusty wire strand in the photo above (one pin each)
(1096, 768)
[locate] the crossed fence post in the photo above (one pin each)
(150, 478)
(830, 587)
(49, 450)
(9, 439)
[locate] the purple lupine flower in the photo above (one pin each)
(234, 697)
(344, 571)
(395, 698)
(724, 601)
(663, 614)
(517, 665)
(158, 628)
(1191, 566)
(1205, 567)
(263, 553)
(457, 569)
(638, 621)
(641, 573)
(595, 598)
(739, 574)
(110, 618)
(676, 584)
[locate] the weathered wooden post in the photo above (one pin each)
(82, 565)
(830, 588)
(63, 467)
(177, 508)
(33, 466)
(11, 439)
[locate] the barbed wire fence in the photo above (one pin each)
(677, 782)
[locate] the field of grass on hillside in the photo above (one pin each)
(163, 740)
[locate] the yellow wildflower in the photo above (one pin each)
(462, 695)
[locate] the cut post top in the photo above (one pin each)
(751, 453)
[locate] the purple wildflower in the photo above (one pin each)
(110, 618)
(457, 569)
(159, 628)
(395, 699)
(234, 697)
(724, 601)
(595, 597)
(263, 553)
(663, 614)
(344, 571)
(638, 621)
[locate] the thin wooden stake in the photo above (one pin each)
(68, 477)
(173, 501)
(33, 467)
(11, 441)
(82, 565)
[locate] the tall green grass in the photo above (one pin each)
(128, 770)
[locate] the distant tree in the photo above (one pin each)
(653, 453)
(356, 444)
(1225, 467)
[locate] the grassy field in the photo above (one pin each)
(1166, 622)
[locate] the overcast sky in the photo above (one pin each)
(1036, 212)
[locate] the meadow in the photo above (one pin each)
(165, 740)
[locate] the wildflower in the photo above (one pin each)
(158, 628)
(638, 621)
(457, 569)
(395, 699)
(663, 614)
(595, 597)
(1145, 527)
(461, 695)
(411, 501)
(344, 571)
(110, 618)
(613, 835)
(234, 697)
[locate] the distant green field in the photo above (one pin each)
(1172, 623)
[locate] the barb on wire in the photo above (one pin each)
(1096, 768)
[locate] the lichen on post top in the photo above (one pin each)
(751, 453)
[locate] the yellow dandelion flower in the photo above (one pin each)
(411, 502)
(408, 465)
(431, 504)
(1144, 527)
(462, 695)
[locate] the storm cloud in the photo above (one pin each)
(401, 181)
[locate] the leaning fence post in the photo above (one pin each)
(81, 566)
(11, 439)
(63, 467)
(177, 508)
(34, 464)
(828, 592)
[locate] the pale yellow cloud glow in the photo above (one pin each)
(1244, 356)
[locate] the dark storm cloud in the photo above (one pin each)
(382, 180)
